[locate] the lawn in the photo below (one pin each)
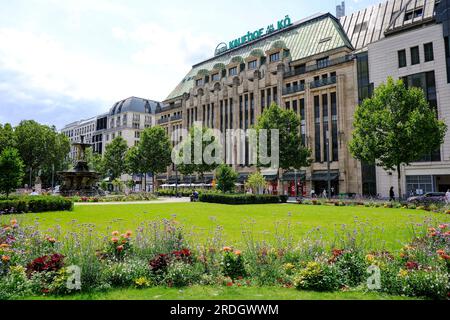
(389, 228)
(223, 293)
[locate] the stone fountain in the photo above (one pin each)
(80, 181)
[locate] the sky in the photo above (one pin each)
(67, 60)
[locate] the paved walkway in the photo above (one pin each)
(159, 201)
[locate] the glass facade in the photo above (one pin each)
(419, 184)
(365, 89)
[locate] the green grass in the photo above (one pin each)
(392, 225)
(223, 293)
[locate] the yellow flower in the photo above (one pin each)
(4, 245)
(403, 273)
(6, 259)
(370, 258)
(227, 249)
(13, 222)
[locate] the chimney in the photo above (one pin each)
(340, 10)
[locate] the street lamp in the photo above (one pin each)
(296, 186)
(176, 181)
(328, 164)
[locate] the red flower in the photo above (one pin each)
(229, 284)
(411, 265)
(120, 248)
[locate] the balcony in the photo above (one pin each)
(176, 118)
(315, 67)
(164, 120)
(293, 89)
(323, 82)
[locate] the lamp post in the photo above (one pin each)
(328, 165)
(176, 181)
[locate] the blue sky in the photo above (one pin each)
(65, 60)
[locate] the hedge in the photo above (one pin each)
(236, 199)
(35, 204)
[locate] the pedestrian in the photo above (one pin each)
(313, 193)
(447, 197)
(324, 194)
(391, 194)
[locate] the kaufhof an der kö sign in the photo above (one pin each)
(252, 36)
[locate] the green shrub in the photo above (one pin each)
(239, 199)
(180, 274)
(432, 284)
(317, 276)
(233, 264)
(35, 204)
(352, 268)
(124, 274)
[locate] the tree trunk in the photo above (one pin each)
(144, 182)
(399, 174)
(153, 181)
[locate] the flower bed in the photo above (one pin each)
(144, 196)
(158, 254)
(35, 204)
(371, 204)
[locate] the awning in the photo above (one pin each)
(290, 176)
(270, 177)
(173, 180)
(243, 177)
(323, 176)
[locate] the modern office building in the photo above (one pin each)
(409, 40)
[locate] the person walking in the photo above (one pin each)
(391, 194)
(447, 197)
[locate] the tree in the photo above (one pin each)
(11, 170)
(256, 182)
(7, 137)
(135, 163)
(155, 150)
(95, 161)
(41, 147)
(226, 178)
(395, 127)
(293, 154)
(199, 138)
(114, 159)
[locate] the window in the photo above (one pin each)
(415, 58)
(300, 69)
(325, 126)
(252, 65)
(402, 58)
(232, 71)
(215, 77)
(322, 63)
(334, 128)
(199, 82)
(419, 184)
(413, 14)
(274, 57)
(317, 143)
(428, 50)
(447, 55)
(361, 26)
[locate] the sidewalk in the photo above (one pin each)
(159, 201)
